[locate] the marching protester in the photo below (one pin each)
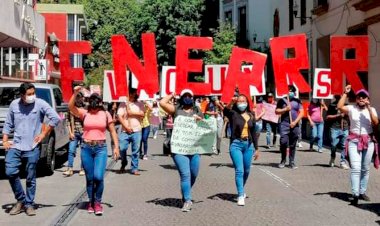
(213, 110)
(130, 115)
(315, 117)
(271, 127)
(155, 119)
(243, 141)
(94, 148)
(291, 112)
(361, 143)
(75, 126)
(187, 165)
(339, 124)
(145, 131)
(25, 116)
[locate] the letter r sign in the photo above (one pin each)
(322, 84)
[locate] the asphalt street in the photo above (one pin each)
(313, 194)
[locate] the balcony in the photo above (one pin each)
(366, 5)
(320, 7)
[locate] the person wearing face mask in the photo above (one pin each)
(271, 126)
(243, 140)
(25, 116)
(213, 110)
(75, 126)
(291, 111)
(187, 165)
(315, 116)
(130, 115)
(338, 123)
(94, 147)
(361, 144)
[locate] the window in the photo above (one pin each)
(7, 95)
(44, 94)
(57, 96)
(303, 12)
(228, 16)
(319, 3)
(242, 36)
(291, 17)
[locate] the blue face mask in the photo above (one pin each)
(291, 95)
(242, 106)
(188, 101)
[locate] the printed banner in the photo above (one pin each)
(190, 137)
(270, 113)
(322, 84)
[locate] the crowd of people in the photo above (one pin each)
(352, 130)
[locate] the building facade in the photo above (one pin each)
(22, 32)
(64, 22)
(321, 19)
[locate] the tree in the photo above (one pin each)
(224, 39)
(167, 19)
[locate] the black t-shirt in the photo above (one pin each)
(336, 123)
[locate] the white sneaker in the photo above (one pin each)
(241, 200)
(344, 166)
(154, 137)
(300, 145)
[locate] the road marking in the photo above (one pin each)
(275, 177)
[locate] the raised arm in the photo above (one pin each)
(166, 105)
(74, 109)
(342, 100)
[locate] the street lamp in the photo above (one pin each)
(295, 12)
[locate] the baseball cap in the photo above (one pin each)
(187, 91)
(362, 92)
(270, 94)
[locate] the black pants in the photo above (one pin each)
(289, 139)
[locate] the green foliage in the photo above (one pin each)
(167, 19)
(224, 39)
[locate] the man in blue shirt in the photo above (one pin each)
(25, 117)
(289, 127)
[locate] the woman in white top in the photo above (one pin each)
(360, 142)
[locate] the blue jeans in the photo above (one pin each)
(94, 160)
(13, 160)
(154, 130)
(124, 140)
(241, 153)
(338, 138)
(271, 127)
(188, 168)
(144, 140)
(360, 163)
(317, 134)
(73, 148)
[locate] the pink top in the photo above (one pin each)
(315, 113)
(95, 125)
(133, 121)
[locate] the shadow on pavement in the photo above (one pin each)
(320, 165)
(217, 165)
(161, 155)
(271, 164)
(7, 207)
(169, 202)
(224, 197)
(339, 195)
(169, 166)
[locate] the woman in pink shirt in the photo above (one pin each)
(94, 147)
(315, 116)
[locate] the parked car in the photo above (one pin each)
(58, 139)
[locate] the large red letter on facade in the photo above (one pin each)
(340, 66)
(184, 65)
(243, 79)
(69, 74)
(284, 66)
(123, 56)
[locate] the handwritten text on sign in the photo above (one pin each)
(190, 137)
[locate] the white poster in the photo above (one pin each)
(322, 84)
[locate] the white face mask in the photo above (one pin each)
(30, 99)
